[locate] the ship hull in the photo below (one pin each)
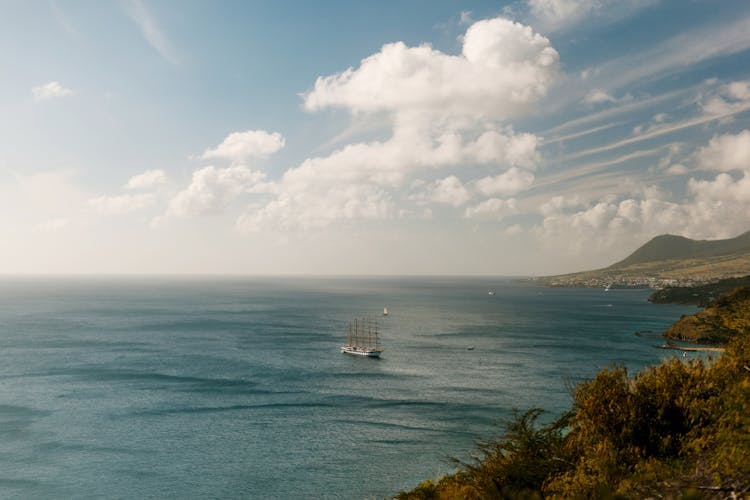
(363, 351)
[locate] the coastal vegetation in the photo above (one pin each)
(698, 295)
(723, 319)
(677, 430)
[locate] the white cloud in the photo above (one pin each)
(560, 10)
(658, 131)
(503, 69)
(609, 225)
(239, 146)
(493, 208)
(728, 99)
(449, 190)
(677, 169)
(122, 204)
(151, 31)
(557, 204)
(726, 152)
(150, 179)
(296, 210)
(723, 189)
(678, 53)
(465, 18)
(557, 14)
(657, 122)
(446, 112)
(738, 90)
(711, 208)
(213, 189)
(390, 162)
(510, 182)
(50, 91)
(598, 96)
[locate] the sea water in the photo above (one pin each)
(235, 387)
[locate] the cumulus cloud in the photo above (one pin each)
(150, 179)
(493, 208)
(722, 189)
(445, 112)
(213, 189)
(504, 67)
(677, 169)
(726, 152)
(716, 207)
(449, 190)
(239, 146)
(729, 99)
(50, 90)
(510, 182)
(300, 210)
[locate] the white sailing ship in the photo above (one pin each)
(363, 339)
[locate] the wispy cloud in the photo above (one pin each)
(677, 54)
(590, 180)
(666, 129)
(619, 110)
(582, 133)
(561, 15)
(151, 31)
(50, 91)
(63, 19)
(583, 172)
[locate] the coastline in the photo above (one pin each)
(691, 348)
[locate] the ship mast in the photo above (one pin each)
(369, 332)
(377, 344)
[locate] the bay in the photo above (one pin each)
(177, 387)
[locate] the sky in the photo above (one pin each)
(340, 137)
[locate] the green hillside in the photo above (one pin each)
(723, 319)
(699, 295)
(670, 247)
(669, 260)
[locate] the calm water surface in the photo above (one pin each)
(234, 388)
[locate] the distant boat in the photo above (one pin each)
(385, 311)
(491, 292)
(606, 288)
(470, 348)
(363, 339)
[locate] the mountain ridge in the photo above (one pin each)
(669, 246)
(668, 259)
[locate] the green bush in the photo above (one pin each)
(677, 430)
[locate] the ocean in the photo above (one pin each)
(179, 387)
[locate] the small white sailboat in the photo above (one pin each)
(385, 311)
(363, 339)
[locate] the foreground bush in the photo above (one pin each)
(677, 430)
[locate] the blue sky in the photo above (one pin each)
(340, 137)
